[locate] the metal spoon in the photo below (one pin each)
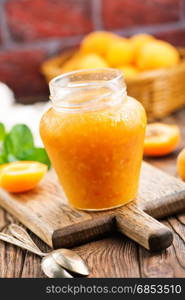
(66, 258)
(52, 269)
(55, 263)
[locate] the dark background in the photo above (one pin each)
(33, 30)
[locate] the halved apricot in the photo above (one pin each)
(161, 139)
(21, 176)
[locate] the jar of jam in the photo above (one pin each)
(94, 136)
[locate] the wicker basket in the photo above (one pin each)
(160, 91)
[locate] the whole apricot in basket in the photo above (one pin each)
(120, 53)
(21, 176)
(97, 42)
(139, 40)
(128, 71)
(91, 61)
(157, 54)
(72, 63)
(161, 139)
(181, 164)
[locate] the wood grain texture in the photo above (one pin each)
(11, 257)
(46, 212)
(82, 232)
(31, 267)
(169, 263)
(42, 210)
(116, 256)
(3, 221)
(139, 226)
(130, 221)
(160, 194)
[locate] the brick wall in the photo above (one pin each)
(32, 30)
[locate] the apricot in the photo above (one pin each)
(139, 40)
(120, 53)
(161, 139)
(181, 164)
(128, 71)
(157, 54)
(92, 61)
(72, 63)
(21, 176)
(97, 42)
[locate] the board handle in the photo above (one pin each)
(83, 232)
(129, 220)
(142, 228)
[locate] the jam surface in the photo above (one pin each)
(97, 154)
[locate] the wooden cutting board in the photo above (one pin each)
(45, 212)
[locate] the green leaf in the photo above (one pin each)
(18, 144)
(3, 159)
(18, 140)
(7, 145)
(37, 154)
(2, 132)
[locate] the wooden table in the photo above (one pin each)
(114, 256)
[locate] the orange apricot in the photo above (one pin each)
(21, 176)
(161, 139)
(181, 164)
(92, 61)
(140, 39)
(157, 54)
(97, 42)
(120, 53)
(128, 71)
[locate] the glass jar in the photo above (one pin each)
(94, 136)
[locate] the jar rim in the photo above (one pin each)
(118, 75)
(66, 88)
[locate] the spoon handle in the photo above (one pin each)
(10, 239)
(21, 234)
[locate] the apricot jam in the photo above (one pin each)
(94, 136)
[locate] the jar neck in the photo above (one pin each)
(87, 90)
